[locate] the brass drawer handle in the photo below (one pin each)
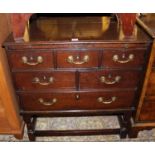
(71, 60)
(37, 81)
(108, 82)
(101, 100)
(39, 61)
(41, 101)
(130, 58)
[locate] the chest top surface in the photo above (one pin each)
(77, 29)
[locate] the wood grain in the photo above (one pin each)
(10, 121)
(147, 76)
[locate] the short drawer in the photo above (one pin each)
(77, 59)
(109, 79)
(77, 101)
(44, 80)
(123, 58)
(30, 60)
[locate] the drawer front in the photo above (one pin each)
(123, 58)
(109, 79)
(77, 101)
(31, 60)
(106, 100)
(48, 101)
(151, 84)
(44, 80)
(77, 59)
(148, 109)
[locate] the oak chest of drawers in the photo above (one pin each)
(78, 67)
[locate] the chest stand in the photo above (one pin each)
(123, 118)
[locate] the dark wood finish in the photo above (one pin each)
(43, 31)
(123, 54)
(76, 89)
(123, 130)
(78, 113)
(15, 59)
(30, 122)
(62, 57)
(86, 101)
(19, 21)
(61, 80)
(76, 132)
(141, 41)
(92, 79)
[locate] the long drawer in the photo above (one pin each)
(77, 101)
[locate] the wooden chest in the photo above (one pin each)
(77, 67)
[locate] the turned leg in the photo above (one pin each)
(30, 122)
